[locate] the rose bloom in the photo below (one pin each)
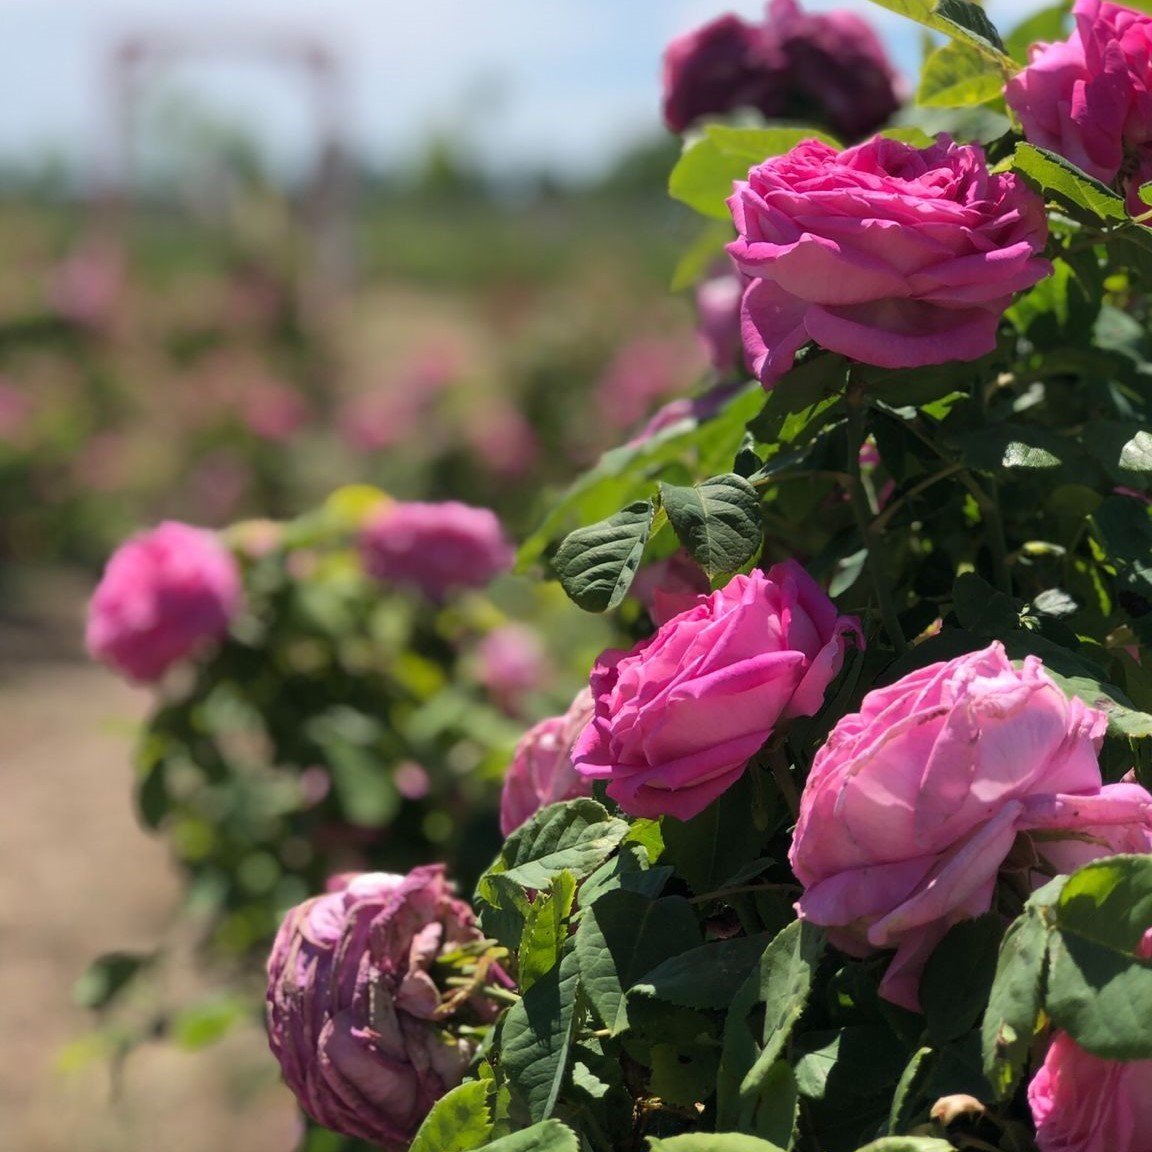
(915, 802)
(718, 321)
(436, 548)
(542, 771)
(891, 255)
(1084, 1103)
(512, 662)
(354, 1015)
(678, 717)
(1088, 97)
(164, 594)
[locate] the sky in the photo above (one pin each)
(565, 85)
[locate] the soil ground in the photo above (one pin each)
(78, 877)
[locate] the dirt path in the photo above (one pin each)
(77, 878)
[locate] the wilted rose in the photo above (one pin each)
(436, 548)
(915, 802)
(678, 717)
(361, 1029)
(163, 595)
(891, 255)
(542, 771)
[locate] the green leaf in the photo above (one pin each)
(596, 565)
(1046, 25)
(702, 253)
(1099, 986)
(981, 608)
(536, 1037)
(718, 521)
(207, 1023)
(859, 1061)
(545, 930)
(460, 1121)
(958, 19)
(958, 977)
(908, 1144)
(787, 971)
(551, 1136)
(1083, 196)
(709, 165)
(576, 836)
(1008, 447)
(959, 74)
(910, 1086)
(623, 936)
(1136, 455)
(107, 976)
(1124, 527)
(707, 977)
(1015, 1000)
(712, 1142)
(629, 869)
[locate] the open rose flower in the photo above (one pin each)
(511, 662)
(542, 771)
(355, 1018)
(915, 802)
(1084, 1103)
(436, 548)
(678, 717)
(891, 255)
(1089, 99)
(164, 594)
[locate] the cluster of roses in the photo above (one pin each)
(954, 784)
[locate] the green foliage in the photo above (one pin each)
(958, 74)
(718, 521)
(962, 21)
(460, 1121)
(596, 564)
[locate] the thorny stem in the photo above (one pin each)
(863, 512)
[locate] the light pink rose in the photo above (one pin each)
(1088, 97)
(436, 548)
(718, 321)
(354, 1015)
(678, 717)
(1084, 1103)
(542, 771)
(891, 255)
(511, 662)
(164, 594)
(915, 802)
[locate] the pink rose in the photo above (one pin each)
(915, 802)
(1088, 97)
(670, 586)
(1084, 1103)
(724, 65)
(678, 717)
(436, 548)
(718, 321)
(163, 595)
(354, 1014)
(542, 771)
(511, 662)
(888, 254)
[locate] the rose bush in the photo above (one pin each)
(888, 254)
(678, 717)
(164, 595)
(914, 804)
(355, 1017)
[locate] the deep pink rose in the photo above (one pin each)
(838, 72)
(891, 255)
(354, 1015)
(718, 321)
(1088, 97)
(436, 548)
(670, 586)
(915, 802)
(1084, 1103)
(163, 595)
(678, 717)
(542, 771)
(724, 65)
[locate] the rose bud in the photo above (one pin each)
(364, 1034)
(678, 717)
(1088, 97)
(1084, 1103)
(542, 771)
(888, 254)
(915, 802)
(164, 595)
(436, 548)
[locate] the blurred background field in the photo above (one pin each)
(211, 310)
